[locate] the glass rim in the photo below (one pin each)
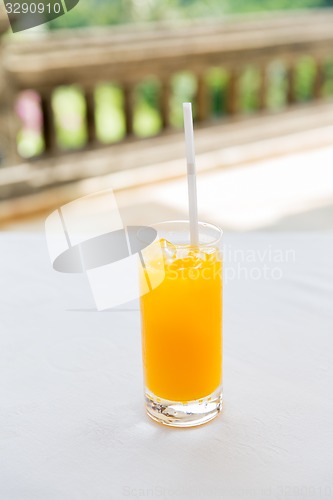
(201, 224)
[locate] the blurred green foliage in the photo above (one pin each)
(183, 89)
(109, 12)
(146, 119)
(69, 113)
(110, 122)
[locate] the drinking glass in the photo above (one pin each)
(181, 322)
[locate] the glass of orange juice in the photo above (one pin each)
(181, 321)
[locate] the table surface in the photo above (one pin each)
(72, 421)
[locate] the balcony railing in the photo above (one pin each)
(130, 55)
(118, 55)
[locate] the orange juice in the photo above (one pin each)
(182, 326)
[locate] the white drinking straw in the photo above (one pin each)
(191, 174)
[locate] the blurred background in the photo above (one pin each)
(93, 100)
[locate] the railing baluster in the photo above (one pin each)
(128, 108)
(291, 77)
(202, 98)
(233, 92)
(165, 93)
(89, 97)
(49, 133)
(9, 123)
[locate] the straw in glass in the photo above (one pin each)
(191, 174)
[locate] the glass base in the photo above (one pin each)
(189, 414)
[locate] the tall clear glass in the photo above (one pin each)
(181, 321)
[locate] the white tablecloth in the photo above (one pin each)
(72, 421)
